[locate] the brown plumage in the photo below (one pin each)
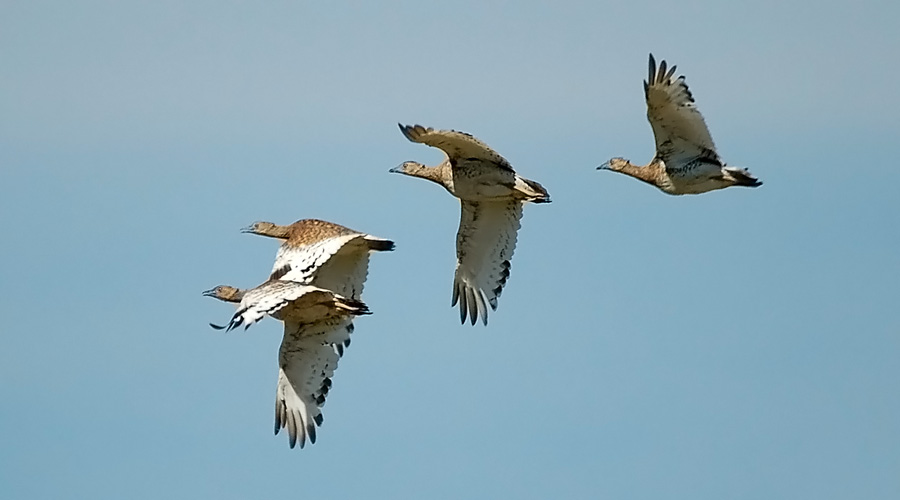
(492, 195)
(322, 253)
(317, 326)
(302, 232)
(686, 160)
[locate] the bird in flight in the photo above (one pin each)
(686, 160)
(492, 196)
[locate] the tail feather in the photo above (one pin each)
(536, 192)
(743, 177)
(380, 245)
(355, 307)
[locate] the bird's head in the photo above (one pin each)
(258, 228)
(408, 168)
(225, 293)
(614, 164)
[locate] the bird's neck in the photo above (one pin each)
(280, 232)
(437, 174)
(649, 173)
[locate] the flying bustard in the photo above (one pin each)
(492, 196)
(314, 289)
(686, 161)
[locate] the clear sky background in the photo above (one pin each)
(741, 344)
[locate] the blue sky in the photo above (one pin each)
(738, 344)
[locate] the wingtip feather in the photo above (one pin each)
(407, 131)
(311, 433)
(473, 305)
(463, 311)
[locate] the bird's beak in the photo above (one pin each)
(210, 293)
(249, 229)
(605, 166)
(397, 170)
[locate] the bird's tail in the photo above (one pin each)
(379, 244)
(352, 306)
(532, 190)
(742, 177)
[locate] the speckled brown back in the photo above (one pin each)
(308, 231)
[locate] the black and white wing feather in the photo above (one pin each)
(271, 298)
(484, 246)
(346, 271)
(307, 360)
(680, 131)
(457, 145)
(300, 263)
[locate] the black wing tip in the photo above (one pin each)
(311, 433)
(217, 327)
(406, 130)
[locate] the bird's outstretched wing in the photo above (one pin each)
(339, 264)
(457, 145)
(301, 262)
(308, 356)
(680, 131)
(485, 244)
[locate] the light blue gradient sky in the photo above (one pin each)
(742, 344)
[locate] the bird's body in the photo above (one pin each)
(492, 195)
(317, 324)
(322, 253)
(686, 160)
(286, 301)
(470, 181)
(314, 289)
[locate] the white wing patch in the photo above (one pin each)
(305, 260)
(346, 271)
(484, 246)
(268, 299)
(339, 264)
(307, 361)
(680, 131)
